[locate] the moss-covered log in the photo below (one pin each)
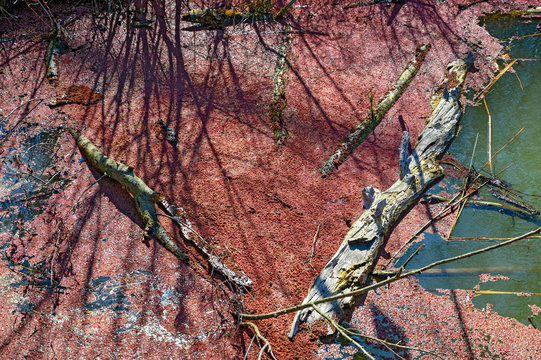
(279, 100)
(145, 198)
(353, 263)
(375, 115)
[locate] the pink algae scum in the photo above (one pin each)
(95, 290)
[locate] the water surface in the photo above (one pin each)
(511, 108)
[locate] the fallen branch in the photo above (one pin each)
(217, 19)
(144, 196)
(145, 200)
(213, 259)
(375, 116)
(55, 48)
(370, 2)
(279, 100)
(352, 264)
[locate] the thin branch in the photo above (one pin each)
(344, 333)
(496, 78)
(489, 137)
(314, 246)
(504, 146)
(266, 347)
(437, 198)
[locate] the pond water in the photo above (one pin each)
(511, 108)
(28, 177)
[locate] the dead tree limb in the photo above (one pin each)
(145, 200)
(279, 100)
(375, 116)
(351, 266)
(370, 2)
(398, 275)
(215, 19)
(144, 196)
(191, 236)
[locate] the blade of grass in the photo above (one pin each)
(503, 147)
(489, 138)
(496, 78)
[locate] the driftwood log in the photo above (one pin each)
(352, 265)
(145, 201)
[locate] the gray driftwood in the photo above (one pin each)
(353, 263)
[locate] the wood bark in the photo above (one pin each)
(279, 100)
(376, 115)
(351, 266)
(145, 200)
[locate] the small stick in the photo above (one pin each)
(503, 147)
(314, 246)
(491, 238)
(341, 331)
(437, 198)
(249, 347)
(387, 344)
(496, 78)
(266, 343)
(412, 256)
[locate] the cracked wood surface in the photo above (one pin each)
(352, 264)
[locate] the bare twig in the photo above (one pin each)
(504, 146)
(489, 137)
(496, 78)
(266, 347)
(438, 198)
(388, 344)
(344, 333)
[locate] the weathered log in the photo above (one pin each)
(376, 115)
(214, 19)
(351, 266)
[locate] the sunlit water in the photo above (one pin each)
(520, 164)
